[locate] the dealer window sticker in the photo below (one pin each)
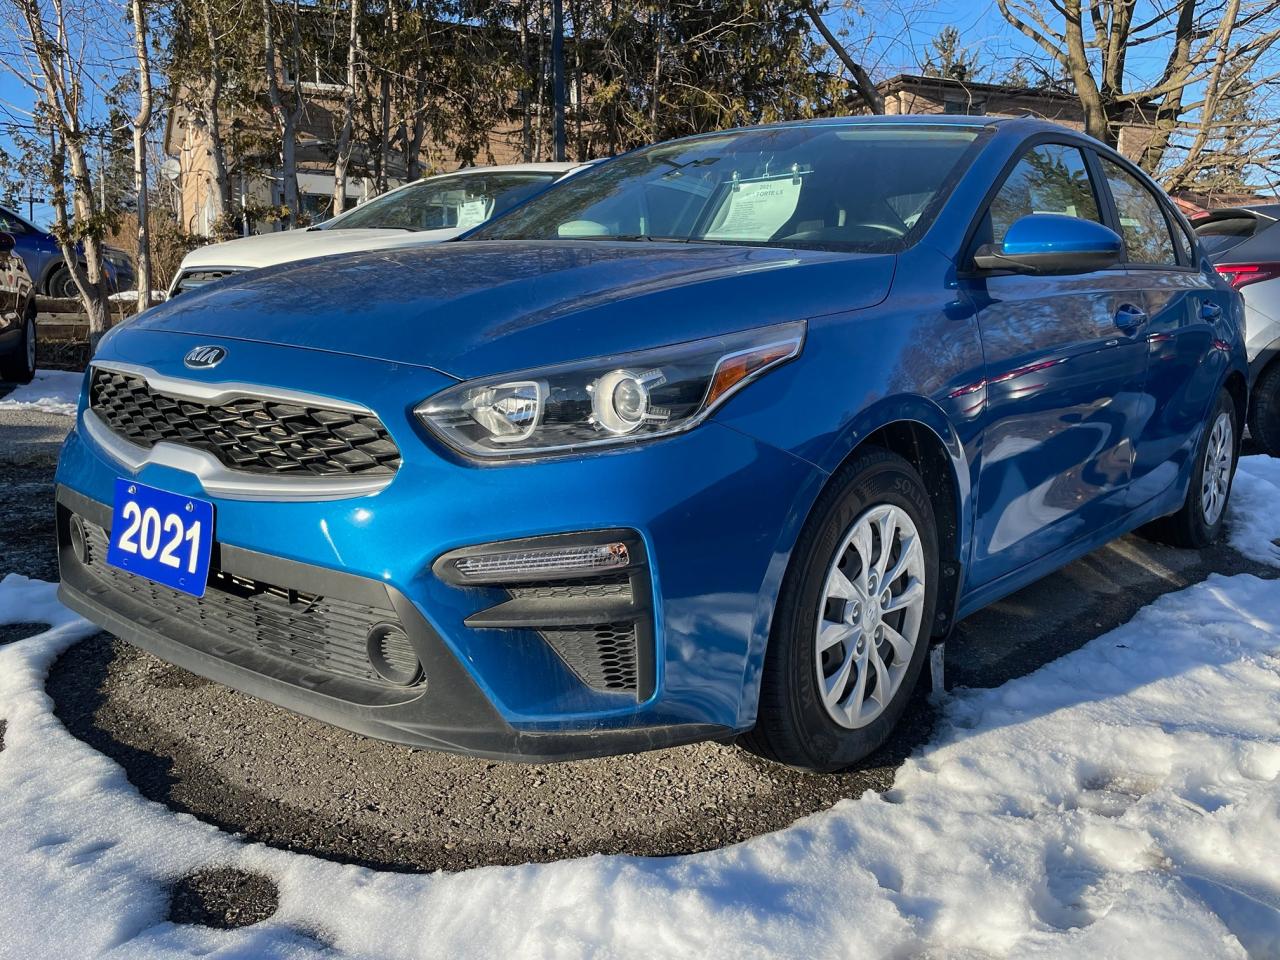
(756, 209)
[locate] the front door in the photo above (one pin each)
(1066, 362)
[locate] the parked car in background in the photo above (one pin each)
(44, 261)
(1244, 245)
(425, 211)
(17, 315)
(707, 442)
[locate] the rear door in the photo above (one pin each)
(1182, 307)
(1065, 371)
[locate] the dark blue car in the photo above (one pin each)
(710, 441)
(43, 257)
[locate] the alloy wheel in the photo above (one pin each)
(869, 623)
(1216, 478)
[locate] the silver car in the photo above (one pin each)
(1244, 244)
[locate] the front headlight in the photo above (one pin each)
(591, 403)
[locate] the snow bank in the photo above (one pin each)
(1123, 801)
(1254, 520)
(52, 391)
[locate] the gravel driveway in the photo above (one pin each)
(256, 769)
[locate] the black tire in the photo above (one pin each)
(61, 284)
(1264, 413)
(19, 365)
(1190, 527)
(793, 726)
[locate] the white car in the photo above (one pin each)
(1244, 244)
(425, 211)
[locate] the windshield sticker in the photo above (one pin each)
(755, 210)
(472, 213)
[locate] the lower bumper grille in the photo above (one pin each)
(305, 630)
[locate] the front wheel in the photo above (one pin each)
(852, 626)
(62, 285)
(20, 365)
(1202, 516)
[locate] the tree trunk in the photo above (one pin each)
(343, 153)
(211, 107)
(557, 79)
(141, 124)
(867, 91)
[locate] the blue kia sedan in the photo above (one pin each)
(711, 441)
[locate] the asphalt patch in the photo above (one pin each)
(223, 898)
(13, 632)
(293, 783)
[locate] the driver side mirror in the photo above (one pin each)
(7, 243)
(1047, 243)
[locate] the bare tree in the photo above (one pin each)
(285, 109)
(342, 158)
(54, 71)
(141, 126)
(1199, 41)
(862, 83)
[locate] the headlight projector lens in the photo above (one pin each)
(620, 400)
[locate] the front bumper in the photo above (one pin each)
(713, 511)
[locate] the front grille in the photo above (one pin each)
(257, 435)
(316, 633)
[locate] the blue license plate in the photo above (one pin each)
(161, 536)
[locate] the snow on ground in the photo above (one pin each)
(1122, 801)
(52, 391)
(1254, 522)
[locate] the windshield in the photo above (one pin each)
(458, 201)
(856, 187)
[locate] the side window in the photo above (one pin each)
(1184, 241)
(11, 224)
(1050, 178)
(1142, 219)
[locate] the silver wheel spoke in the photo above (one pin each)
(912, 594)
(910, 546)
(888, 527)
(852, 708)
(838, 585)
(834, 685)
(830, 634)
(884, 685)
(861, 543)
(902, 647)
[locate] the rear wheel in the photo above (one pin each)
(1200, 520)
(20, 364)
(1264, 419)
(851, 630)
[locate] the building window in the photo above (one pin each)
(966, 107)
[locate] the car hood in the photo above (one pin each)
(473, 308)
(290, 245)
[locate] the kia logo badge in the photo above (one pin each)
(201, 358)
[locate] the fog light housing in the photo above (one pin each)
(392, 655)
(506, 566)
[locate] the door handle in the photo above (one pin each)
(1210, 310)
(1130, 318)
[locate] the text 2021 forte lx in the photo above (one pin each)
(707, 441)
